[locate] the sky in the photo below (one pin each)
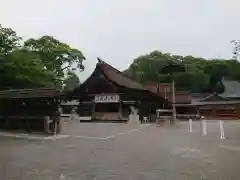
(118, 31)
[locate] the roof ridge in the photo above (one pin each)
(100, 61)
(103, 62)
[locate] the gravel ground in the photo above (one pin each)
(161, 153)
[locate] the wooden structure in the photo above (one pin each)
(25, 109)
(184, 109)
(212, 106)
(165, 90)
(108, 94)
(164, 115)
(217, 107)
(67, 106)
(225, 105)
(173, 67)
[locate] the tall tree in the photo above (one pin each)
(236, 49)
(57, 56)
(8, 40)
(24, 69)
(71, 81)
(42, 62)
(201, 74)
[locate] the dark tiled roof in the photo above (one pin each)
(201, 99)
(173, 67)
(202, 103)
(231, 89)
(214, 97)
(118, 77)
(200, 95)
(29, 93)
(216, 102)
(196, 97)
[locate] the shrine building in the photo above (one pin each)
(108, 94)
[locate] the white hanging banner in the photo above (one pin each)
(106, 99)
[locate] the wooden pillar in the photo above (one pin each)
(214, 113)
(238, 111)
(139, 108)
(120, 109)
(46, 124)
(28, 128)
(198, 111)
(59, 126)
(93, 109)
(6, 123)
(78, 108)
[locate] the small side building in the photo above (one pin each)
(25, 109)
(222, 106)
(183, 100)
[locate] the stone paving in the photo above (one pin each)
(112, 151)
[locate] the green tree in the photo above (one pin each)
(42, 62)
(216, 69)
(201, 74)
(56, 56)
(236, 49)
(8, 40)
(192, 81)
(24, 69)
(71, 81)
(146, 68)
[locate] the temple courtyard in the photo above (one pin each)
(102, 151)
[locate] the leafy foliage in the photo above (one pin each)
(201, 74)
(56, 56)
(24, 69)
(8, 40)
(236, 49)
(42, 62)
(71, 81)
